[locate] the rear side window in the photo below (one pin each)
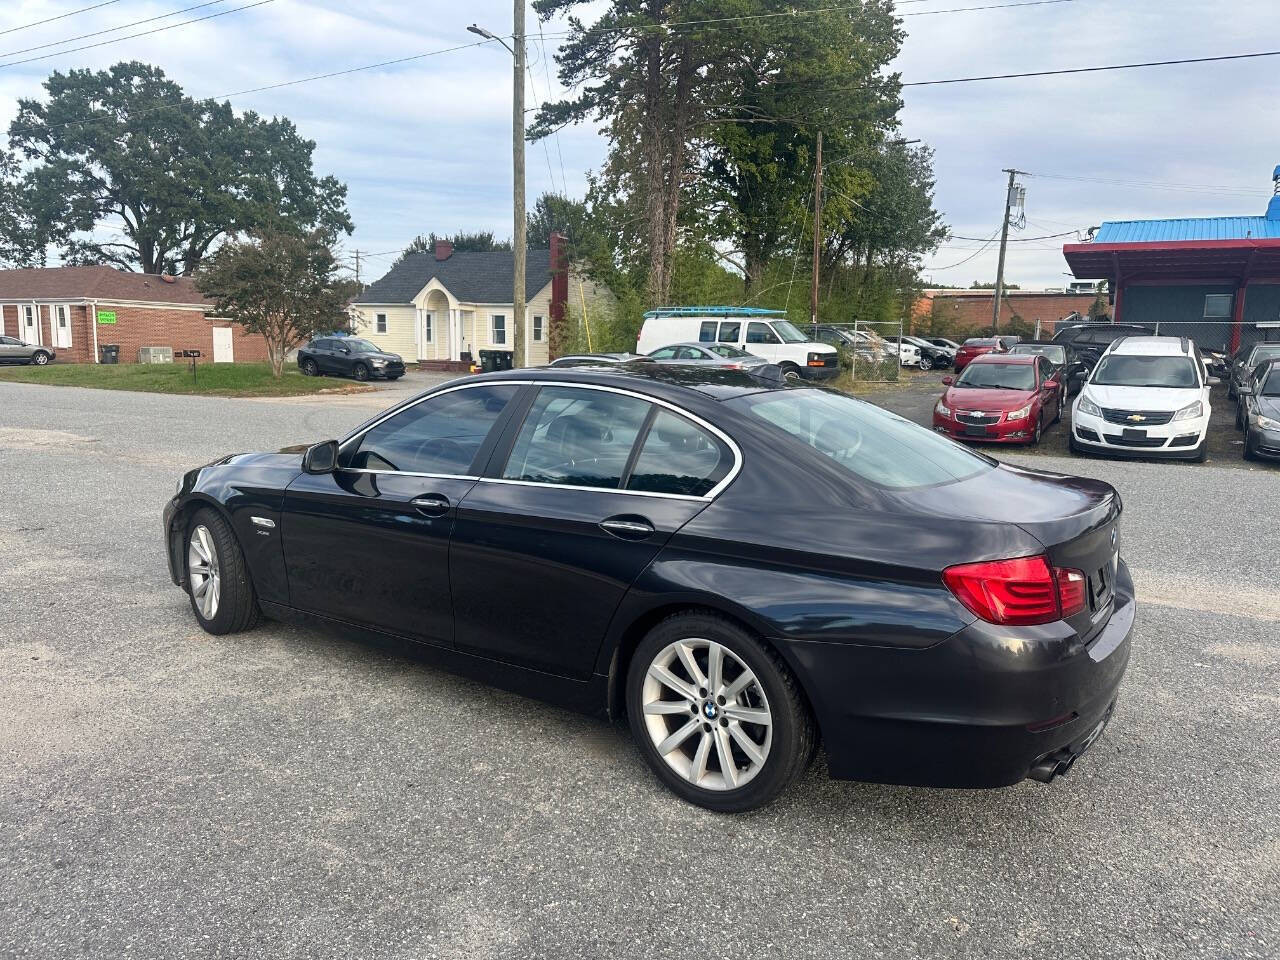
(577, 437)
(730, 331)
(679, 457)
(869, 442)
(707, 332)
(440, 435)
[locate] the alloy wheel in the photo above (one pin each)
(707, 714)
(41, 359)
(926, 364)
(202, 570)
(309, 368)
(360, 372)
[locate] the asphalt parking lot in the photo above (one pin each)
(284, 793)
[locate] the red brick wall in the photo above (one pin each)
(971, 313)
(176, 327)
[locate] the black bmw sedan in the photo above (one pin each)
(742, 569)
(349, 357)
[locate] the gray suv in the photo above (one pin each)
(13, 350)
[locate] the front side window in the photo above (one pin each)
(577, 437)
(679, 457)
(664, 353)
(707, 332)
(998, 376)
(869, 442)
(537, 329)
(499, 323)
(440, 435)
(356, 345)
(688, 353)
(1046, 369)
(1132, 370)
(760, 333)
(380, 322)
(730, 331)
(728, 352)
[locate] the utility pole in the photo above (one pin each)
(517, 164)
(817, 233)
(357, 254)
(1004, 242)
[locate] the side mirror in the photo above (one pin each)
(345, 349)
(948, 380)
(321, 457)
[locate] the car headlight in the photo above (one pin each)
(378, 363)
(1190, 412)
(1020, 414)
(1266, 423)
(942, 409)
(1089, 407)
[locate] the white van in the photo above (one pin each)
(764, 333)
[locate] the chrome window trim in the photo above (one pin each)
(674, 408)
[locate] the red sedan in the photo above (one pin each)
(977, 347)
(1000, 398)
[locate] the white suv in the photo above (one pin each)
(1147, 397)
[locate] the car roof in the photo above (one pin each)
(1151, 346)
(1039, 343)
(988, 358)
(668, 381)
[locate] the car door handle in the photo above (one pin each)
(431, 504)
(628, 528)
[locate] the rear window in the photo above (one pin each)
(869, 442)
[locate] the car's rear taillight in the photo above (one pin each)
(1021, 591)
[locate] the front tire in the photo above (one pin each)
(39, 358)
(1249, 452)
(926, 364)
(718, 716)
(360, 372)
(218, 583)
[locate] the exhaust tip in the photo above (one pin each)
(1050, 767)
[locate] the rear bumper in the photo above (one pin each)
(984, 708)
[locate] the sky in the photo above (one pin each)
(426, 145)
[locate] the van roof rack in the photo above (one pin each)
(720, 311)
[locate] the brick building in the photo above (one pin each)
(970, 310)
(76, 310)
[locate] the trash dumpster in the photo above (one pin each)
(109, 353)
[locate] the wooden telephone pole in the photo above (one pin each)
(817, 233)
(1004, 242)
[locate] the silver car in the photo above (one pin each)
(13, 350)
(708, 355)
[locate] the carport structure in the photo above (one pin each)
(1215, 279)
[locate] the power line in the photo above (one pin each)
(989, 242)
(134, 36)
(1102, 69)
(1050, 236)
(61, 16)
(1154, 184)
(99, 33)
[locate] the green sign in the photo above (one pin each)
(106, 316)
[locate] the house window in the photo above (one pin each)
(1217, 305)
(499, 327)
(380, 322)
(428, 328)
(537, 329)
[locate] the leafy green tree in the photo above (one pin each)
(479, 241)
(976, 285)
(175, 176)
(17, 232)
(280, 284)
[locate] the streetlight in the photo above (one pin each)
(517, 168)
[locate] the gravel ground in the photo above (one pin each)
(282, 793)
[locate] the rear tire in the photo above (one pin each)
(216, 571)
(309, 368)
(712, 719)
(791, 372)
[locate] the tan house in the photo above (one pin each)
(442, 308)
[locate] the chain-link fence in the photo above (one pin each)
(867, 354)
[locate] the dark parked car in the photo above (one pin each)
(931, 355)
(615, 540)
(1258, 413)
(867, 348)
(977, 347)
(349, 357)
(1089, 340)
(1071, 369)
(1245, 360)
(13, 350)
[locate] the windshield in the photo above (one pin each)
(979, 342)
(1125, 370)
(360, 346)
(1056, 353)
(998, 376)
(727, 351)
(788, 332)
(1272, 387)
(864, 439)
(1261, 353)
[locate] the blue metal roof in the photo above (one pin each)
(714, 312)
(1202, 228)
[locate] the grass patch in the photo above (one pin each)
(211, 379)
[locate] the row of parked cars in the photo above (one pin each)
(1135, 393)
